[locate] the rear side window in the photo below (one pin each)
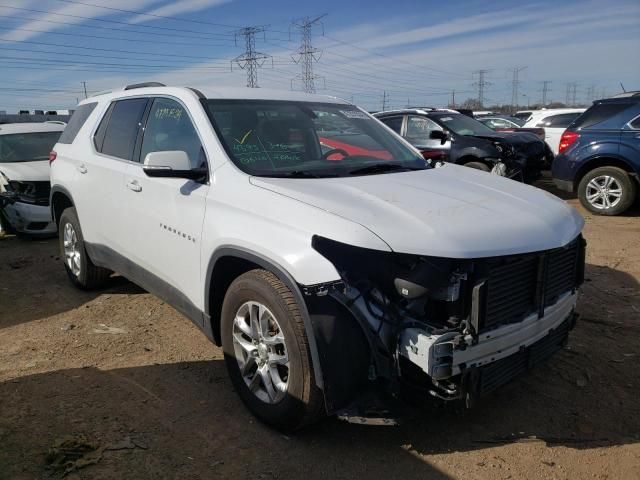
(599, 113)
(76, 122)
(635, 123)
(562, 120)
(122, 128)
(394, 123)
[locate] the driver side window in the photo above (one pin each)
(169, 128)
(419, 129)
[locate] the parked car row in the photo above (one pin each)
(336, 260)
(447, 135)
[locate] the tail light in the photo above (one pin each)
(568, 138)
(52, 156)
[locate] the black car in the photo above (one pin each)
(448, 135)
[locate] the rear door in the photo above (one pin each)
(98, 187)
(630, 144)
(164, 216)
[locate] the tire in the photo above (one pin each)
(79, 267)
(299, 402)
(607, 191)
(478, 166)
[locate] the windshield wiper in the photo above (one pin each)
(380, 168)
(298, 174)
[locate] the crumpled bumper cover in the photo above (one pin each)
(440, 358)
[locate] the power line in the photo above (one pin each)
(306, 54)
(180, 19)
(102, 20)
(69, 34)
(250, 60)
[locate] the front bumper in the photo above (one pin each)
(440, 358)
(30, 219)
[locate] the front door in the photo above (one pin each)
(165, 215)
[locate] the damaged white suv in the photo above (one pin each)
(315, 245)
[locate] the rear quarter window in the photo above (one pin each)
(76, 122)
(599, 113)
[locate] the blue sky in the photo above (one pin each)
(418, 52)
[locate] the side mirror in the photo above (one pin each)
(172, 164)
(439, 135)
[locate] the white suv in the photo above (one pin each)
(315, 245)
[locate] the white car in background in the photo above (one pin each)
(24, 176)
(555, 122)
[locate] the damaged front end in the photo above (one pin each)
(24, 206)
(454, 329)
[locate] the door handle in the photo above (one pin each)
(134, 186)
(81, 168)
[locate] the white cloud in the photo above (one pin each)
(78, 10)
(176, 8)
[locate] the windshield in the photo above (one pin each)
(462, 125)
(27, 147)
(304, 139)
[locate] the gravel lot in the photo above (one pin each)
(125, 372)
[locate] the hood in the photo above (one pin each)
(451, 211)
(513, 138)
(26, 171)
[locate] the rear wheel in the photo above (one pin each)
(80, 269)
(607, 191)
(267, 351)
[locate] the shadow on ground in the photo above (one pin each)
(34, 284)
(193, 425)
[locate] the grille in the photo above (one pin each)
(560, 273)
(511, 290)
(520, 285)
(498, 373)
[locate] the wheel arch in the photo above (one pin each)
(229, 262)
(602, 161)
(60, 200)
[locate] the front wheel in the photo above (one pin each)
(80, 269)
(607, 191)
(267, 351)
(477, 166)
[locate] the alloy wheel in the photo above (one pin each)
(71, 249)
(261, 352)
(604, 192)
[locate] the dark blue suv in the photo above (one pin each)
(599, 156)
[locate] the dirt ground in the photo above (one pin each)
(124, 371)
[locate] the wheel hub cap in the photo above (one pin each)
(261, 352)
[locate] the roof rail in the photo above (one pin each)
(103, 92)
(145, 84)
(197, 92)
